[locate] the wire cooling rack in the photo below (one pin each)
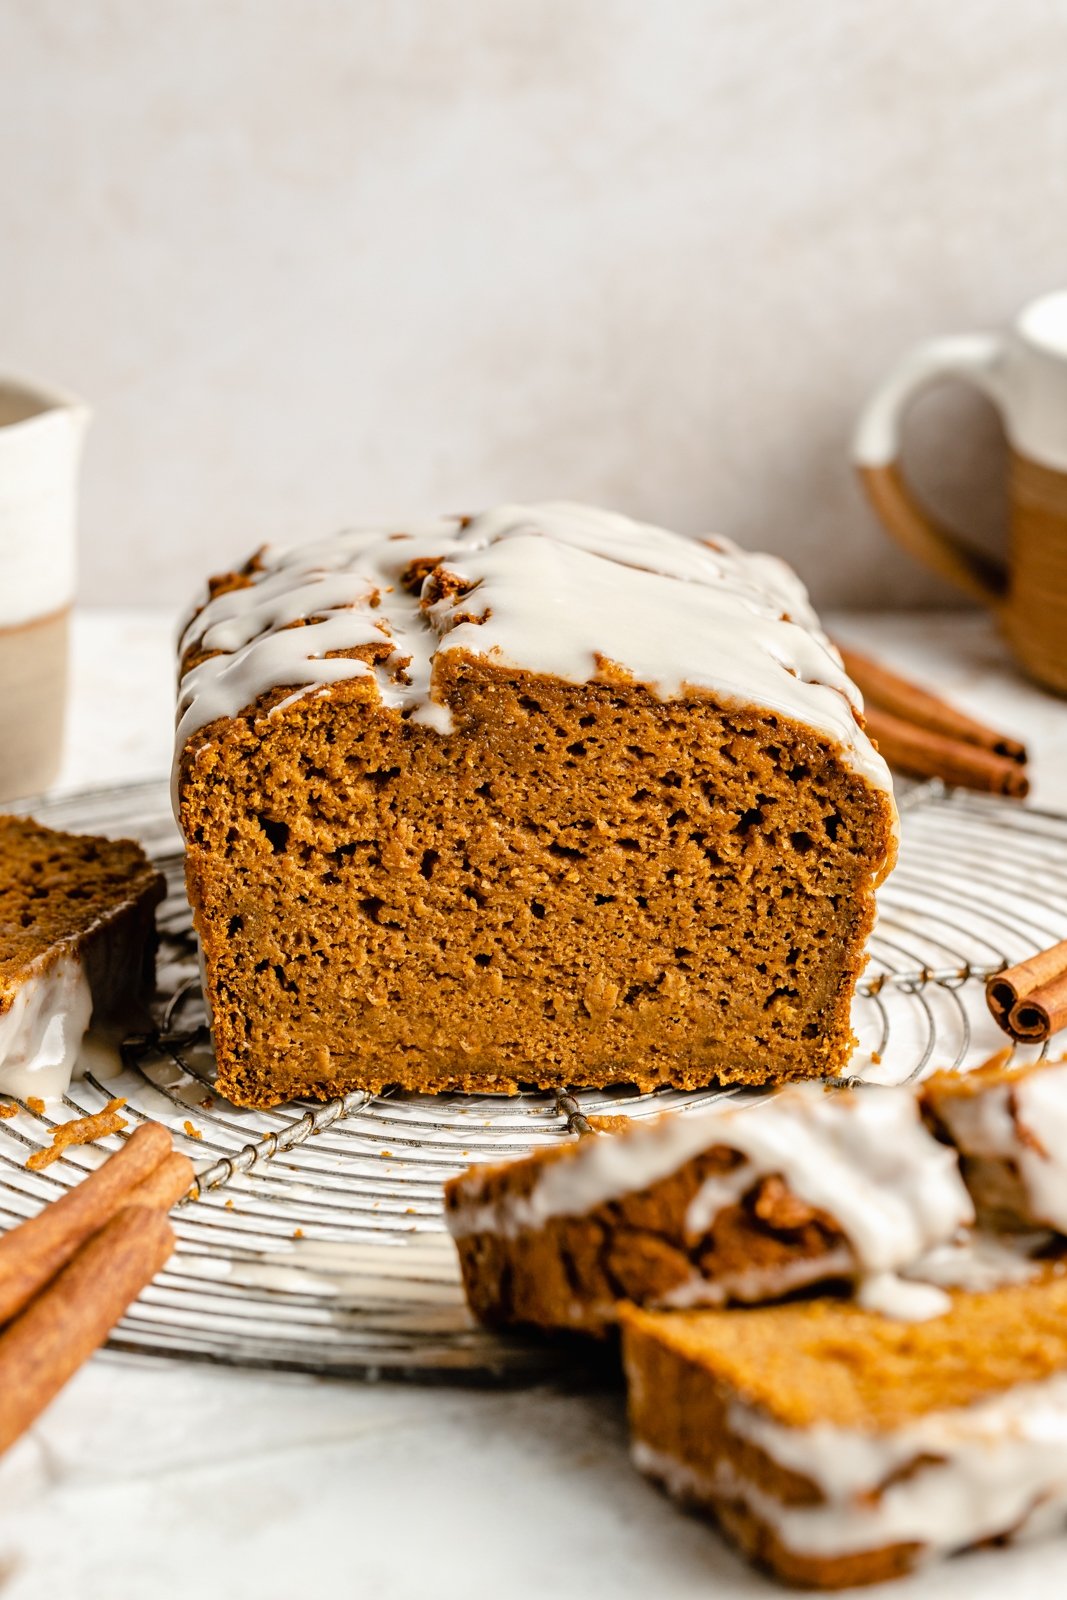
(330, 1257)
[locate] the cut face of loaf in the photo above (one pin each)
(836, 1447)
(740, 1204)
(544, 799)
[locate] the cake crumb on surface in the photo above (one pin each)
(83, 1130)
(194, 1133)
(35, 1104)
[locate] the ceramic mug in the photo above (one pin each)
(41, 432)
(1024, 372)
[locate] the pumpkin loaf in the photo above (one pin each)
(835, 1446)
(538, 797)
(1009, 1124)
(745, 1203)
(77, 942)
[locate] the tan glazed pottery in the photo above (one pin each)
(1024, 373)
(41, 433)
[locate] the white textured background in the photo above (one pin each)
(317, 260)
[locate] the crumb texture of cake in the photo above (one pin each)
(837, 1447)
(77, 943)
(1009, 1125)
(540, 797)
(740, 1203)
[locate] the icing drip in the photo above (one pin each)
(555, 589)
(980, 1261)
(750, 1285)
(996, 1468)
(990, 1465)
(42, 1029)
(905, 1299)
(1023, 1122)
(862, 1156)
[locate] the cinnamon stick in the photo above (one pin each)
(1038, 1016)
(164, 1187)
(921, 753)
(1029, 1000)
(34, 1252)
(62, 1327)
(890, 692)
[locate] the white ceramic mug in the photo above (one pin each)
(41, 433)
(1024, 372)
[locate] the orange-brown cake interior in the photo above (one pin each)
(62, 890)
(582, 885)
(832, 1361)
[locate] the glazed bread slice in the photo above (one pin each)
(1009, 1125)
(543, 797)
(836, 1447)
(77, 941)
(742, 1203)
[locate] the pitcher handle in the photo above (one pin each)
(876, 446)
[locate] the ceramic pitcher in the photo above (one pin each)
(1023, 370)
(41, 434)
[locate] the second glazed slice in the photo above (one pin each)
(734, 1205)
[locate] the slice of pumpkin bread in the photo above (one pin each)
(1009, 1124)
(544, 796)
(77, 941)
(740, 1203)
(834, 1446)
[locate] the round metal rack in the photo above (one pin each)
(317, 1244)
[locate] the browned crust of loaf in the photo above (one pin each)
(572, 1272)
(1001, 1201)
(760, 1544)
(63, 891)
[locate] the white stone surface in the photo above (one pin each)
(332, 259)
(153, 1481)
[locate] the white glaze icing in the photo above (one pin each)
(904, 1299)
(972, 1260)
(863, 1156)
(996, 1458)
(1001, 1468)
(1024, 1122)
(979, 1261)
(42, 1029)
(560, 589)
(752, 1284)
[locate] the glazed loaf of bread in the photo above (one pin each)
(543, 796)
